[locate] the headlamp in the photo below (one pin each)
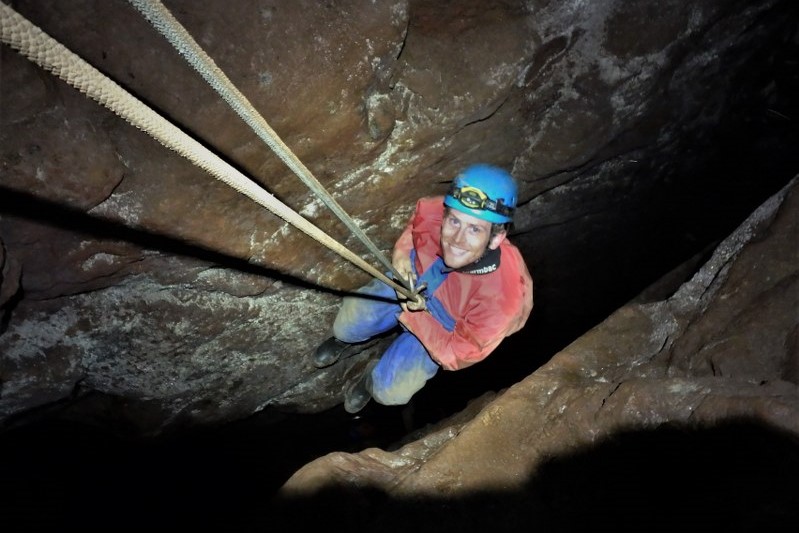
(474, 198)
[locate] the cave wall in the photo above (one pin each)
(138, 291)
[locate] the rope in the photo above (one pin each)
(166, 24)
(23, 36)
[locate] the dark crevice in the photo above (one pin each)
(483, 116)
(29, 207)
(7, 309)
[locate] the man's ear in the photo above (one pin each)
(496, 240)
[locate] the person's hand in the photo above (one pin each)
(413, 304)
(402, 264)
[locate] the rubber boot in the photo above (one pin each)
(358, 392)
(330, 351)
(333, 350)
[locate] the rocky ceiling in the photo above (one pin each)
(143, 296)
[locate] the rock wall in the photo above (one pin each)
(140, 293)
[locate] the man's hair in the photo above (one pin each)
(497, 228)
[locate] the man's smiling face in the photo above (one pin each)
(465, 238)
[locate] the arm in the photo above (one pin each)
(466, 345)
(401, 255)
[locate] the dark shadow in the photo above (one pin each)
(56, 475)
(737, 476)
(29, 207)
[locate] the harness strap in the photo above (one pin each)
(434, 276)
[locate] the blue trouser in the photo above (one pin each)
(405, 366)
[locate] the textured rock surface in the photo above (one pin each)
(652, 372)
(139, 292)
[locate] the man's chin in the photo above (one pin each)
(453, 263)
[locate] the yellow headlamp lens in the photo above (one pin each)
(471, 197)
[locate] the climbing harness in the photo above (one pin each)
(23, 36)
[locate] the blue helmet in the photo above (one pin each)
(484, 191)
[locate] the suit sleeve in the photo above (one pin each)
(472, 340)
(404, 244)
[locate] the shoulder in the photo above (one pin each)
(430, 204)
(511, 252)
(429, 212)
(512, 265)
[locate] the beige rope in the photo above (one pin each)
(163, 21)
(22, 35)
